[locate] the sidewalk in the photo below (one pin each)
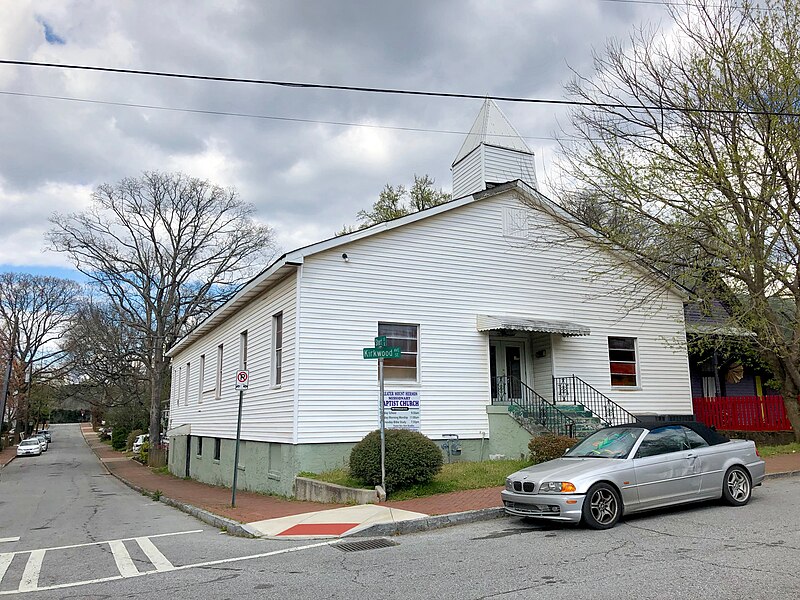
(275, 516)
(7, 455)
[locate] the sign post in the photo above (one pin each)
(382, 351)
(242, 381)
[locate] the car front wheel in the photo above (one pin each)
(602, 507)
(736, 487)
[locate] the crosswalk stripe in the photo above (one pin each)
(123, 559)
(160, 562)
(9, 539)
(30, 576)
(5, 561)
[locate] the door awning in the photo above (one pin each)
(497, 323)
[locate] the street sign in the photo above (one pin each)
(388, 352)
(380, 341)
(242, 380)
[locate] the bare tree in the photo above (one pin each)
(165, 250)
(696, 133)
(39, 309)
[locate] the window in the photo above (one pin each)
(217, 446)
(622, 360)
(177, 391)
(277, 348)
(186, 385)
(199, 446)
(662, 441)
(218, 382)
(243, 351)
(201, 378)
(404, 368)
(695, 439)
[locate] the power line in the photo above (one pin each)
(396, 91)
(255, 116)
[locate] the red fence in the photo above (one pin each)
(743, 413)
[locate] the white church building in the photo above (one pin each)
(510, 320)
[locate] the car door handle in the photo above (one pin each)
(690, 456)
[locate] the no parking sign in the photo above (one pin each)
(242, 379)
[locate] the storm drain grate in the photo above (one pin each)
(361, 545)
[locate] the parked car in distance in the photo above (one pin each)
(29, 447)
(137, 443)
(634, 467)
(47, 435)
(42, 441)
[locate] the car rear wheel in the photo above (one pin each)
(602, 507)
(736, 487)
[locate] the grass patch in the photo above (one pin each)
(160, 470)
(766, 451)
(453, 477)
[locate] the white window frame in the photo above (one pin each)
(201, 375)
(637, 374)
(186, 384)
(416, 380)
(243, 350)
(276, 363)
(218, 381)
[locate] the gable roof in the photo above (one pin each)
(289, 262)
(491, 127)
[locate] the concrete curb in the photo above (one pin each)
(781, 475)
(229, 525)
(428, 523)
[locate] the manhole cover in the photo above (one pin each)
(360, 545)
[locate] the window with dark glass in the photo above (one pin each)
(662, 441)
(277, 347)
(199, 446)
(217, 448)
(622, 361)
(406, 337)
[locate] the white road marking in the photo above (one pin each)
(5, 560)
(30, 576)
(123, 559)
(209, 563)
(9, 539)
(159, 561)
(157, 535)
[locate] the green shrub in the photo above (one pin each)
(132, 438)
(411, 458)
(119, 437)
(144, 453)
(548, 446)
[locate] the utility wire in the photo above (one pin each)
(397, 91)
(258, 116)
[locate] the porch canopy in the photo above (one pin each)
(497, 323)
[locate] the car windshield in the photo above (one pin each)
(614, 442)
(29, 442)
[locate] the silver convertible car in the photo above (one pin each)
(629, 468)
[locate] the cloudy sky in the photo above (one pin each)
(62, 134)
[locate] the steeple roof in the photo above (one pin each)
(493, 128)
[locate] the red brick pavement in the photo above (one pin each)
(256, 507)
(7, 455)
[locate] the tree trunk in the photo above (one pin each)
(790, 402)
(156, 379)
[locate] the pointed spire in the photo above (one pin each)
(493, 128)
(493, 153)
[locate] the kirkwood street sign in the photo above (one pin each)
(389, 352)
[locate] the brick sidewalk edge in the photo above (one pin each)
(229, 525)
(377, 530)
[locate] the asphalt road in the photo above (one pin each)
(63, 499)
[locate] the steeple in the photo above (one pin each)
(493, 152)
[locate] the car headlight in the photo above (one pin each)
(557, 487)
(509, 485)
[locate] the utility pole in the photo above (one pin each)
(7, 377)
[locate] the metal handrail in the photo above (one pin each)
(528, 405)
(574, 389)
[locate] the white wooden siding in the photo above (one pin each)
(468, 174)
(268, 413)
(501, 165)
(440, 273)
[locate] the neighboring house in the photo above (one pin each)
(488, 302)
(719, 374)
